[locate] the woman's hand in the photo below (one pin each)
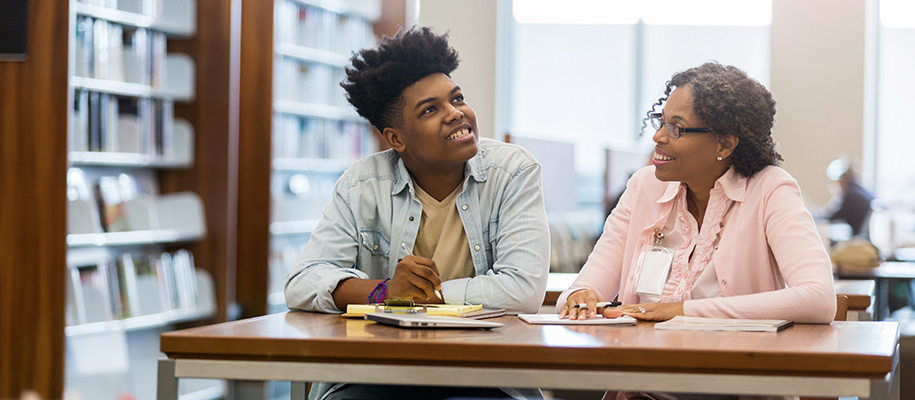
(583, 296)
(652, 311)
(416, 278)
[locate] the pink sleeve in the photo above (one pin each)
(603, 269)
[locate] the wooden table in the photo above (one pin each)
(887, 273)
(842, 359)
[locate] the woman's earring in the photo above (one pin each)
(719, 158)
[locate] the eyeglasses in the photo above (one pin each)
(670, 129)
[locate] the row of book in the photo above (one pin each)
(131, 285)
(102, 201)
(105, 198)
(317, 138)
(113, 123)
(321, 29)
(150, 8)
(308, 82)
(110, 51)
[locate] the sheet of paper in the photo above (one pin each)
(553, 319)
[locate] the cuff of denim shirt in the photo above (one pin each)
(329, 282)
(455, 290)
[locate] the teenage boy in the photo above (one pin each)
(444, 216)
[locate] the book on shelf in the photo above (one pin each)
(109, 269)
(148, 291)
(127, 277)
(82, 207)
(112, 192)
(681, 322)
(91, 284)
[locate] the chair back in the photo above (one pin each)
(841, 307)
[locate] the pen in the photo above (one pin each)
(600, 304)
(410, 253)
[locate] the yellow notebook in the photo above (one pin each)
(454, 310)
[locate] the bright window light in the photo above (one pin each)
(897, 14)
(654, 12)
(591, 12)
(707, 12)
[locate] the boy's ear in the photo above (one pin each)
(394, 139)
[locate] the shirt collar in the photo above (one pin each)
(473, 168)
(733, 184)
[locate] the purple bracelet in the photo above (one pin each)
(379, 293)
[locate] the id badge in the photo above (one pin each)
(655, 265)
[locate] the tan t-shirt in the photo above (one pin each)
(441, 236)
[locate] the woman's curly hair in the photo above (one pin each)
(376, 79)
(730, 102)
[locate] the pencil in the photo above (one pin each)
(410, 253)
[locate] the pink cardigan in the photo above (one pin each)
(769, 262)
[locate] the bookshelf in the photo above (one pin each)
(131, 273)
(227, 164)
(316, 134)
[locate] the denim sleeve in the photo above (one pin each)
(521, 251)
(328, 258)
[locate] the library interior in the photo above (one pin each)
(163, 163)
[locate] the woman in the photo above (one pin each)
(714, 228)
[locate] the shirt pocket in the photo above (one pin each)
(374, 242)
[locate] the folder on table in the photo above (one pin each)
(452, 310)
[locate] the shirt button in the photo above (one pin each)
(464, 207)
(716, 247)
(477, 247)
(411, 218)
(721, 224)
(375, 247)
(724, 281)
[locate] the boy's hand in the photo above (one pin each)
(416, 278)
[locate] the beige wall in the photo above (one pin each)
(472, 24)
(818, 60)
(817, 76)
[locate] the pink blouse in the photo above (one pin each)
(757, 236)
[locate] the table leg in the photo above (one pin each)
(249, 390)
(882, 300)
(883, 390)
(299, 390)
(167, 386)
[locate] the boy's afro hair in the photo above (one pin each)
(377, 78)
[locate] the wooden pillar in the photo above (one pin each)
(33, 169)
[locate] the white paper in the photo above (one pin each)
(553, 319)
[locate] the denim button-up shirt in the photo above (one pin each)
(375, 209)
